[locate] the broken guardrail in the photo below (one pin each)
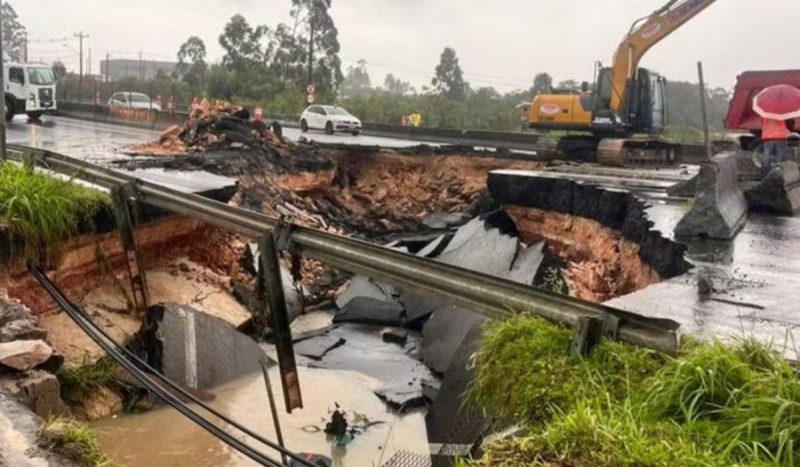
(490, 296)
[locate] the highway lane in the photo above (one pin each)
(102, 142)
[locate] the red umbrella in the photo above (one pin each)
(779, 102)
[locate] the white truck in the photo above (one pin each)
(30, 89)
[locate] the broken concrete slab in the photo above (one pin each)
(527, 264)
(454, 429)
(186, 345)
(361, 286)
(720, 208)
(317, 347)
(440, 221)
(21, 329)
(444, 333)
(778, 192)
(367, 353)
(24, 355)
(402, 398)
(369, 310)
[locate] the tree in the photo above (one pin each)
(542, 83)
(357, 80)
(396, 86)
(449, 79)
(14, 34)
(315, 26)
(192, 61)
(243, 45)
(59, 69)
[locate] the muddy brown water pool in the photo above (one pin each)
(165, 437)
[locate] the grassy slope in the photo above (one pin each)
(43, 211)
(714, 404)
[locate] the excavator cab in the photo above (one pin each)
(644, 109)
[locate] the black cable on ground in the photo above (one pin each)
(133, 357)
(88, 327)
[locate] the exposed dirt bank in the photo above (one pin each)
(600, 264)
(88, 260)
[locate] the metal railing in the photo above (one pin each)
(488, 295)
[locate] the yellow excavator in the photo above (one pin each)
(626, 99)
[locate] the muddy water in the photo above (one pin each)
(165, 438)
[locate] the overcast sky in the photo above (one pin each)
(501, 43)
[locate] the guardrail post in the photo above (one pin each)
(120, 198)
(274, 302)
(588, 333)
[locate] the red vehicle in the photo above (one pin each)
(741, 115)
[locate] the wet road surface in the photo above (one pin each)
(102, 142)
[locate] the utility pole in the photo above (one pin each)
(108, 57)
(25, 48)
(706, 134)
(3, 87)
(81, 36)
(141, 67)
(89, 63)
(311, 54)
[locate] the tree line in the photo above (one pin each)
(271, 67)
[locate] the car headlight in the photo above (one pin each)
(33, 97)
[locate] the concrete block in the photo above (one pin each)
(720, 208)
(778, 193)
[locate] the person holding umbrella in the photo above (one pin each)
(776, 104)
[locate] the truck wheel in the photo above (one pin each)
(9, 110)
(35, 115)
(329, 128)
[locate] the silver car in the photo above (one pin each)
(133, 100)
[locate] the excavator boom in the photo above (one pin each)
(644, 34)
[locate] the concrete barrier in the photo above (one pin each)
(778, 193)
(141, 118)
(720, 209)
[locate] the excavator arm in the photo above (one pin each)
(644, 34)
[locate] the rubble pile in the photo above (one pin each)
(215, 127)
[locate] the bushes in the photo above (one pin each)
(41, 211)
(75, 441)
(713, 404)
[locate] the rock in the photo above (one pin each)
(38, 390)
(361, 286)
(24, 355)
(101, 403)
(21, 329)
(371, 311)
(10, 312)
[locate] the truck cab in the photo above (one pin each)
(30, 89)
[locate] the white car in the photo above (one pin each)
(329, 118)
(133, 100)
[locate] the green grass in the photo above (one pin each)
(714, 404)
(42, 211)
(79, 383)
(75, 441)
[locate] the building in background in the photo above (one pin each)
(117, 69)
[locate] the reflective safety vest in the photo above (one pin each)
(774, 130)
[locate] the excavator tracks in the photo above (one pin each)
(619, 152)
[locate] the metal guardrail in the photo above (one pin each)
(488, 295)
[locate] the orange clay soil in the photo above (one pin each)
(390, 190)
(160, 242)
(601, 264)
